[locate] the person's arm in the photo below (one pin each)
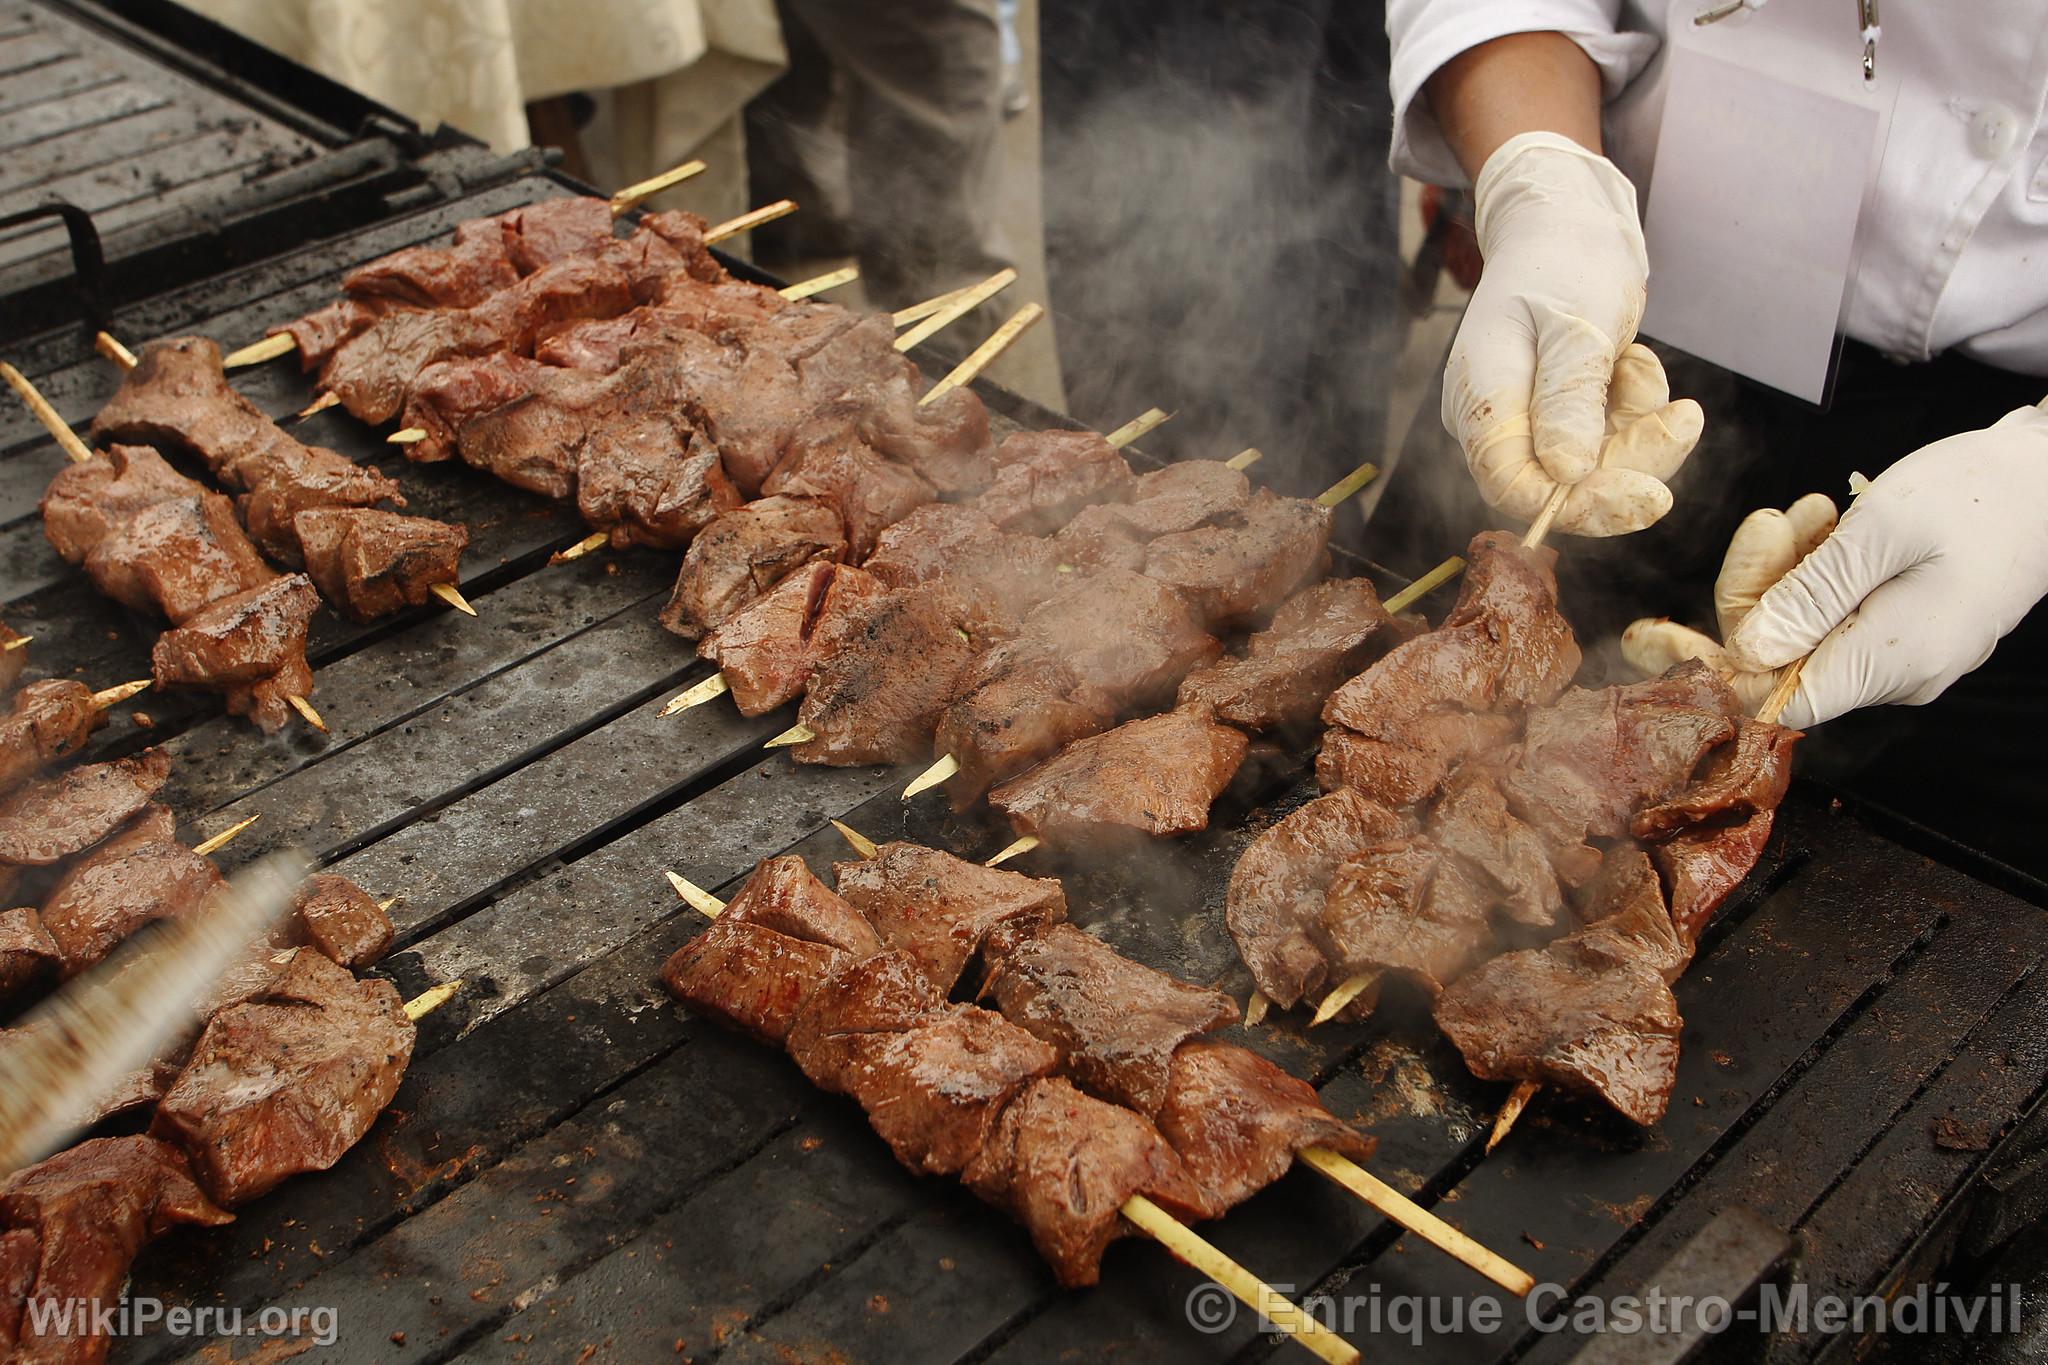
(1522, 83)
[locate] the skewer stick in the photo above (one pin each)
(1148, 420)
(1348, 485)
(695, 896)
(1015, 850)
(1249, 1289)
(917, 312)
(1346, 992)
(596, 540)
(18, 642)
(1255, 1009)
(1782, 691)
(220, 840)
(713, 686)
(1540, 527)
(1518, 1100)
(256, 352)
(932, 776)
(307, 713)
(320, 404)
(861, 844)
(59, 429)
(452, 595)
(110, 346)
(406, 436)
(795, 734)
(985, 354)
(1245, 459)
(114, 696)
(1423, 586)
(746, 222)
(1390, 1202)
(431, 999)
(959, 306)
(630, 197)
(818, 284)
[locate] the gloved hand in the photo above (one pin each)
(1932, 564)
(1545, 384)
(1765, 547)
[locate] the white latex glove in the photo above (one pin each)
(1544, 384)
(1932, 564)
(1765, 547)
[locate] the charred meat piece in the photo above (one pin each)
(1064, 1165)
(879, 697)
(1592, 1012)
(137, 877)
(946, 440)
(1154, 777)
(1279, 885)
(86, 502)
(1180, 497)
(48, 720)
(1406, 907)
(370, 563)
(990, 577)
(1237, 571)
(54, 817)
(749, 977)
(1032, 709)
(177, 558)
(940, 908)
(1127, 636)
(251, 647)
(782, 894)
(72, 1225)
(725, 312)
(1043, 478)
(1471, 823)
(1703, 866)
(1115, 1023)
(1737, 781)
(1595, 758)
(931, 1077)
(741, 555)
(768, 650)
(339, 920)
(28, 955)
(288, 1080)
(509, 415)
(1318, 639)
(1237, 1122)
(829, 460)
(1503, 647)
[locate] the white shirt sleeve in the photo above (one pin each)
(1427, 33)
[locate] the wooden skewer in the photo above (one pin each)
(406, 436)
(18, 642)
(1540, 527)
(1518, 1100)
(59, 429)
(713, 686)
(960, 305)
(795, 734)
(307, 713)
(1255, 1009)
(452, 595)
(818, 284)
(320, 404)
(1346, 992)
(746, 222)
(220, 840)
(1245, 459)
(596, 540)
(931, 777)
(110, 347)
(1349, 1175)
(1782, 691)
(1148, 420)
(1156, 1222)
(114, 696)
(1348, 485)
(633, 195)
(256, 352)
(917, 312)
(431, 999)
(861, 844)
(1015, 850)
(985, 354)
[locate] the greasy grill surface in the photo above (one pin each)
(573, 1163)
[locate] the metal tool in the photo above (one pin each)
(1866, 25)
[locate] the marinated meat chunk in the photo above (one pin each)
(52, 818)
(177, 558)
(28, 955)
(508, 414)
(71, 1226)
(1115, 1023)
(1705, 864)
(989, 577)
(931, 1077)
(1237, 571)
(1414, 765)
(1043, 478)
(631, 483)
(741, 555)
(1595, 758)
(250, 646)
(768, 649)
(1472, 823)
(828, 460)
(86, 502)
(1404, 907)
(1180, 497)
(1155, 777)
(288, 1080)
(749, 977)
(1064, 1165)
(940, 908)
(339, 920)
(140, 875)
(1278, 887)
(370, 563)
(1624, 917)
(782, 894)
(48, 720)
(1019, 717)
(1320, 637)
(1737, 781)
(879, 697)
(1122, 634)
(1237, 1122)
(463, 275)
(946, 440)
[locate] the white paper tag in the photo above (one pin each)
(1769, 142)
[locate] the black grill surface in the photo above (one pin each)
(577, 1170)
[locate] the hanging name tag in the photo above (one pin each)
(1769, 144)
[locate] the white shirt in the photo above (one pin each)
(1954, 245)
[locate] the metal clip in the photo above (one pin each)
(1866, 24)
